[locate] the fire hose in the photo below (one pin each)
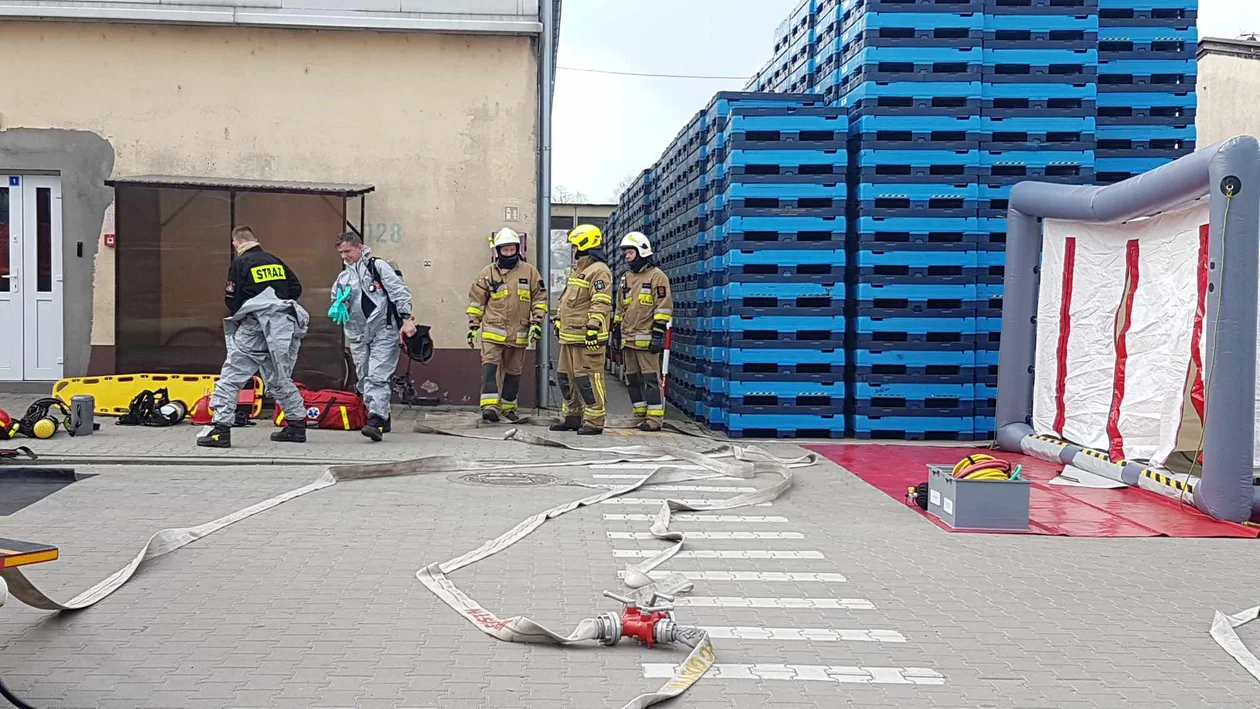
(646, 614)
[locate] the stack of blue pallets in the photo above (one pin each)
(758, 341)
(1146, 84)
(1038, 112)
(909, 75)
(946, 105)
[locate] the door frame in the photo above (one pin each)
(39, 313)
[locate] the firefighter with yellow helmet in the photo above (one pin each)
(583, 327)
(646, 308)
(508, 304)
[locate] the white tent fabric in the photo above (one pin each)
(1112, 365)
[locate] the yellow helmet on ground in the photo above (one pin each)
(586, 237)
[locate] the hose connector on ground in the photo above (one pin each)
(650, 623)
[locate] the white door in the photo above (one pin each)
(31, 292)
(12, 351)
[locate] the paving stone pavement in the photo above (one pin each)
(315, 603)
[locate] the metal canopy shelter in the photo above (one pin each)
(173, 248)
(333, 189)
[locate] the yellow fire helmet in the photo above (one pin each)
(636, 240)
(586, 237)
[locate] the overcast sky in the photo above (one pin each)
(607, 127)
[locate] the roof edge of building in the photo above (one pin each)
(452, 23)
(1242, 48)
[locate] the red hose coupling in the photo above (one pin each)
(639, 625)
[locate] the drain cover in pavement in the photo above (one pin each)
(507, 479)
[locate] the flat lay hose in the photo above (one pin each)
(722, 460)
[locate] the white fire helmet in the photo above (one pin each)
(504, 237)
(636, 240)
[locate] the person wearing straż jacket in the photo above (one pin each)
(646, 308)
(583, 327)
(373, 306)
(266, 328)
(507, 303)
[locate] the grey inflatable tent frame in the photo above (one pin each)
(1229, 174)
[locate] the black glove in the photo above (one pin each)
(657, 345)
(592, 337)
(616, 336)
(472, 334)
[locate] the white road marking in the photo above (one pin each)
(699, 518)
(678, 488)
(826, 635)
(768, 576)
(656, 502)
(855, 604)
(719, 554)
(644, 466)
(808, 673)
(713, 535)
(633, 476)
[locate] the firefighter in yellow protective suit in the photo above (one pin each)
(508, 304)
(583, 327)
(646, 307)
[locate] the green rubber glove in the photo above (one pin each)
(340, 309)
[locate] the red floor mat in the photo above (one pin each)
(1053, 509)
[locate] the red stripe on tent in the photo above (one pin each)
(1065, 329)
(1200, 311)
(1116, 449)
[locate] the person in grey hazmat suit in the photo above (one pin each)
(373, 305)
(265, 330)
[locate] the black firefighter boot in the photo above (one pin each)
(293, 432)
(375, 428)
(570, 423)
(589, 430)
(218, 436)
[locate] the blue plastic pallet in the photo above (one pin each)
(914, 399)
(930, 166)
(915, 234)
(934, 99)
(1128, 82)
(869, 18)
(898, 337)
(1040, 8)
(856, 37)
(719, 242)
(724, 102)
(778, 290)
(782, 426)
(914, 428)
(826, 7)
(830, 390)
(770, 305)
(913, 200)
(811, 336)
(1133, 165)
(781, 161)
(914, 367)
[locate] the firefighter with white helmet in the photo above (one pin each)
(583, 326)
(507, 303)
(646, 308)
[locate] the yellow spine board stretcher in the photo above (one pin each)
(15, 553)
(113, 394)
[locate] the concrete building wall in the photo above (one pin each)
(1228, 85)
(444, 125)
